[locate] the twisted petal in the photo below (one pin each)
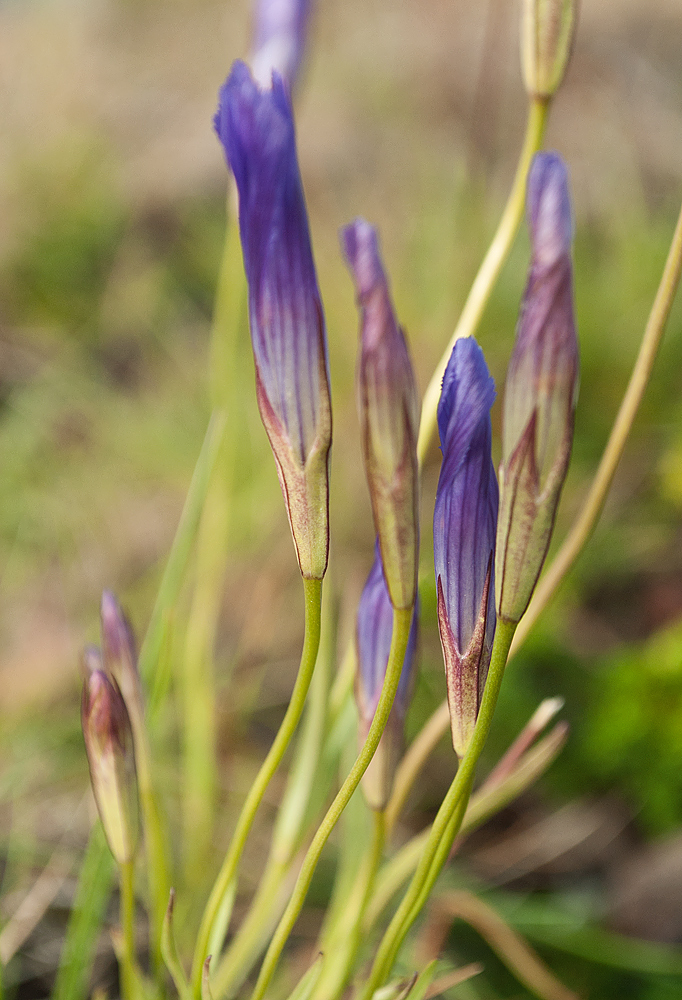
(280, 29)
(389, 414)
(540, 392)
(256, 128)
(374, 631)
(464, 527)
(287, 328)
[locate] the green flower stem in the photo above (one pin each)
(127, 916)
(447, 822)
(489, 271)
(402, 618)
(224, 883)
(279, 875)
(341, 946)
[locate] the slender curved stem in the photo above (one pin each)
(224, 882)
(447, 821)
(490, 268)
(402, 618)
(589, 515)
(340, 948)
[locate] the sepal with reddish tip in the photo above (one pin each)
(540, 394)
(374, 632)
(109, 746)
(547, 33)
(464, 525)
(388, 406)
(465, 673)
(256, 128)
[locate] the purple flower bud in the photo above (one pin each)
(374, 631)
(279, 40)
(109, 746)
(389, 415)
(256, 127)
(120, 658)
(464, 525)
(540, 393)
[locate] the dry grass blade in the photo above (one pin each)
(509, 946)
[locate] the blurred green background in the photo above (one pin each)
(112, 219)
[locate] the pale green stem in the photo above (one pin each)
(343, 945)
(489, 271)
(402, 618)
(224, 883)
(445, 825)
(127, 916)
(270, 898)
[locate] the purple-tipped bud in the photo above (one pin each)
(256, 128)
(374, 631)
(547, 32)
(388, 406)
(109, 746)
(118, 651)
(540, 393)
(464, 525)
(280, 29)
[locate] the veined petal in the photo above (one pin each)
(388, 407)
(540, 392)
(374, 631)
(465, 514)
(464, 529)
(256, 128)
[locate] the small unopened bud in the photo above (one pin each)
(464, 523)
(374, 631)
(547, 32)
(118, 652)
(109, 746)
(388, 406)
(540, 393)
(256, 128)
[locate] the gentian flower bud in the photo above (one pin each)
(374, 631)
(464, 524)
(118, 650)
(256, 128)
(279, 40)
(388, 405)
(109, 746)
(540, 394)
(547, 32)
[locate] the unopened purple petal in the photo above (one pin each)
(374, 631)
(549, 208)
(279, 39)
(465, 516)
(256, 128)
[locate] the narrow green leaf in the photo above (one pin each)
(89, 905)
